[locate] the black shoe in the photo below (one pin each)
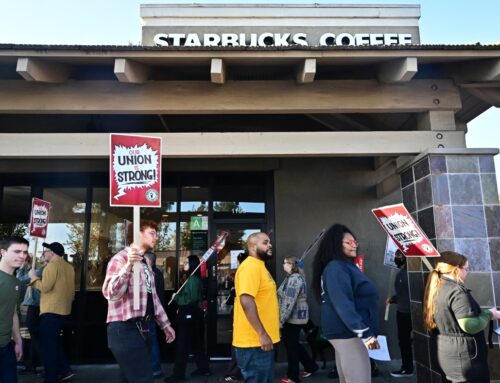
(401, 373)
(66, 376)
(200, 372)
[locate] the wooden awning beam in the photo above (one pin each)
(32, 69)
(235, 97)
(235, 145)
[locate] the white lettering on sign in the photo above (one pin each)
(278, 39)
(134, 167)
(40, 215)
(402, 229)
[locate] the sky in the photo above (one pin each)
(117, 22)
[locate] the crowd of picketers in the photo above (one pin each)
(263, 315)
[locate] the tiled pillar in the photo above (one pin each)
(454, 197)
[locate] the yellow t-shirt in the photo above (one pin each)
(252, 278)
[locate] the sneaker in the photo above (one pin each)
(66, 376)
(286, 380)
(305, 374)
(228, 379)
(401, 373)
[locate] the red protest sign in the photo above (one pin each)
(39, 219)
(405, 232)
(135, 170)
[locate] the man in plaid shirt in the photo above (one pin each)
(128, 329)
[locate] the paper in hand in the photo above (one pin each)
(383, 352)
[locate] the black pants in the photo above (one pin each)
(131, 351)
(296, 352)
(33, 359)
(189, 336)
(404, 337)
(54, 358)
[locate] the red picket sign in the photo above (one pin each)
(135, 170)
(405, 232)
(39, 219)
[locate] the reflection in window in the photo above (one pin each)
(67, 225)
(15, 211)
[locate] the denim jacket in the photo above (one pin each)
(292, 299)
(32, 295)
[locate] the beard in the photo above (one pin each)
(262, 255)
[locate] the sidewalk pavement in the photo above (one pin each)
(97, 373)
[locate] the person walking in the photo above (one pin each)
(189, 325)
(457, 320)
(128, 329)
(294, 314)
(57, 288)
(348, 304)
(403, 316)
(13, 253)
(256, 313)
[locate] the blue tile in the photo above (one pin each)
(421, 168)
(495, 255)
(424, 193)
(490, 190)
(477, 252)
(462, 164)
(465, 189)
(438, 165)
(426, 222)
(493, 220)
(409, 198)
(486, 164)
(440, 190)
(469, 222)
(443, 221)
(407, 177)
(445, 245)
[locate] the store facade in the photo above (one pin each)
(283, 119)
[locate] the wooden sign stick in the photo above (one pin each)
(137, 266)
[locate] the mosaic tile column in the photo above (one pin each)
(453, 195)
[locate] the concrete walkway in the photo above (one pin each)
(108, 373)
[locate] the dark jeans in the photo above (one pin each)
(33, 321)
(54, 359)
(257, 366)
(404, 335)
(155, 348)
(189, 336)
(232, 369)
(8, 364)
(296, 352)
(131, 351)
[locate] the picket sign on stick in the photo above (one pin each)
(313, 243)
(216, 247)
(389, 290)
(135, 180)
(39, 222)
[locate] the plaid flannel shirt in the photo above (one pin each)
(118, 289)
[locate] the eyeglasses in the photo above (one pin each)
(351, 242)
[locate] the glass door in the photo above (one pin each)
(221, 288)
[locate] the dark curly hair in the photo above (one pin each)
(330, 248)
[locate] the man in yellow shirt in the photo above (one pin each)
(57, 288)
(256, 313)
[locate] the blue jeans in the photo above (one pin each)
(131, 351)
(155, 348)
(54, 359)
(257, 366)
(8, 364)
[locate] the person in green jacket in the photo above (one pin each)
(189, 325)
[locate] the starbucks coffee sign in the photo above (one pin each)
(279, 39)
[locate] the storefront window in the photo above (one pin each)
(15, 211)
(67, 225)
(194, 224)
